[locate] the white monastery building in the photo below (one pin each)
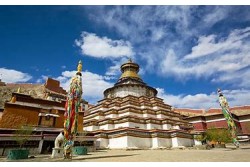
(132, 116)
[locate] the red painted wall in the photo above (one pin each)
(245, 127)
(199, 126)
(217, 124)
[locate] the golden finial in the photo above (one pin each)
(13, 99)
(79, 67)
(19, 90)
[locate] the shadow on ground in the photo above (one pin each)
(98, 157)
(245, 148)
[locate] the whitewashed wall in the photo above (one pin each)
(197, 143)
(137, 125)
(135, 91)
(91, 128)
(98, 117)
(149, 115)
(186, 142)
(102, 143)
(166, 126)
(121, 142)
(107, 127)
(130, 124)
(143, 143)
(176, 141)
(176, 127)
(129, 113)
(155, 142)
(125, 124)
(123, 114)
(138, 142)
(161, 116)
(111, 116)
(153, 126)
(161, 142)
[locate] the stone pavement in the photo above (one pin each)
(174, 155)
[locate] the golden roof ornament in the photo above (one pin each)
(19, 90)
(79, 68)
(130, 70)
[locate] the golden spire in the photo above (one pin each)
(79, 67)
(130, 70)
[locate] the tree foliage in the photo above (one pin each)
(218, 135)
(22, 135)
(200, 137)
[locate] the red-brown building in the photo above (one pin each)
(214, 118)
(36, 105)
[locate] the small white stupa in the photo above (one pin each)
(57, 151)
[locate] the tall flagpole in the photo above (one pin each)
(72, 107)
(227, 114)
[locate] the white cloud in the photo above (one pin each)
(42, 79)
(205, 101)
(151, 29)
(93, 84)
(115, 70)
(208, 45)
(216, 14)
(103, 47)
(145, 22)
(223, 60)
(13, 76)
(155, 29)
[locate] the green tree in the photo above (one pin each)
(22, 135)
(218, 135)
(200, 137)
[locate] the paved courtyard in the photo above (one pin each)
(187, 155)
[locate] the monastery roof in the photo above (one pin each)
(35, 90)
(189, 112)
(214, 110)
(237, 110)
(47, 107)
(241, 110)
(22, 84)
(36, 128)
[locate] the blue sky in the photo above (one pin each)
(186, 52)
